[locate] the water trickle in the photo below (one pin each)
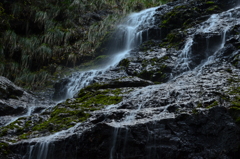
(151, 102)
(184, 59)
(131, 33)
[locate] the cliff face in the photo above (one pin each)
(171, 90)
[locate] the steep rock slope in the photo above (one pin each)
(174, 96)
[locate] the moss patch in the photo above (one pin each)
(124, 63)
(183, 17)
(4, 149)
(64, 115)
(215, 103)
(234, 90)
(175, 39)
(158, 74)
(67, 114)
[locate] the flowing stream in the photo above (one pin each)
(131, 33)
(218, 24)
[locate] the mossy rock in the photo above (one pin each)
(64, 115)
(124, 62)
(154, 69)
(175, 39)
(4, 149)
(185, 16)
(234, 112)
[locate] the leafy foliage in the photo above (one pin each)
(42, 36)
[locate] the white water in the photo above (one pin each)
(184, 59)
(134, 37)
(42, 148)
(131, 31)
(217, 24)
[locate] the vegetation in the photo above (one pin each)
(4, 149)
(40, 38)
(234, 91)
(64, 115)
(156, 75)
(180, 18)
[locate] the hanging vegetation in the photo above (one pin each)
(40, 36)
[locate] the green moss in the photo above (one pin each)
(61, 118)
(199, 105)
(180, 17)
(157, 75)
(215, 103)
(101, 59)
(125, 63)
(174, 39)
(4, 149)
(210, 2)
(3, 132)
(195, 111)
(23, 136)
(66, 115)
(234, 90)
(213, 9)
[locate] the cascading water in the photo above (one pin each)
(184, 59)
(218, 24)
(156, 120)
(131, 33)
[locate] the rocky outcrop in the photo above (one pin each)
(9, 92)
(8, 89)
(15, 101)
(211, 134)
(176, 97)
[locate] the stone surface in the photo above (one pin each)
(178, 98)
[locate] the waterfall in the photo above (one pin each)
(218, 24)
(131, 33)
(184, 60)
(144, 109)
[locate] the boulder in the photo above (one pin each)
(9, 89)
(6, 109)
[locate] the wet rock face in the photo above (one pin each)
(229, 4)
(179, 96)
(8, 89)
(60, 90)
(204, 135)
(201, 135)
(6, 109)
(15, 101)
(8, 93)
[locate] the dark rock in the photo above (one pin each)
(9, 89)
(6, 109)
(202, 135)
(38, 109)
(60, 89)
(203, 47)
(128, 82)
(192, 114)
